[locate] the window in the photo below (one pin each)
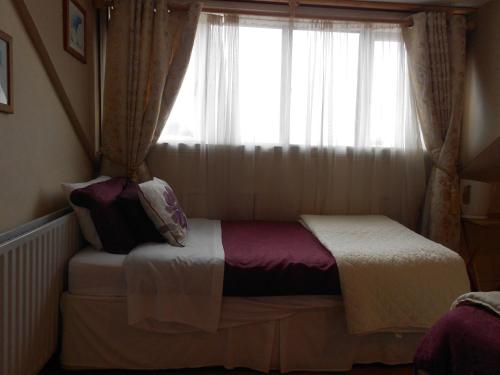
(275, 82)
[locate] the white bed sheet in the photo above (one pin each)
(97, 273)
(289, 333)
(96, 335)
(94, 273)
(178, 284)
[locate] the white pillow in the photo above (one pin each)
(161, 206)
(83, 214)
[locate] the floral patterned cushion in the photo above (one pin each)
(160, 204)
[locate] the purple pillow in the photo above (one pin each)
(101, 199)
(117, 213)
(131, 207)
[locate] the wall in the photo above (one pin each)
(38, 146)
(482, 101)
(480, 155)
(79, 80)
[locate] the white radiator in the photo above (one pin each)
(32, 274)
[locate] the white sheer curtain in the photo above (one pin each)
(277, 118)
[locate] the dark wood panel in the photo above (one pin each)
(345, 4)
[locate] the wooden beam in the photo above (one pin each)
(346, 16)
(341, 4)
(387, 6)
(37, 41)
(282, 9)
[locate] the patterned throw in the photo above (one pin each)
(465, 340)
(162, 207)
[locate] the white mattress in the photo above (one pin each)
(289, 333)
(97, 273)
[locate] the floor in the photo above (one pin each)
(53, 369)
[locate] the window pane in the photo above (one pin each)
(259, 84)
(305, 90)
(183, 122)
(344, 89)
(324, 83)
(252, 81)
(386, 102)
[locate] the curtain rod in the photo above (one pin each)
(298, 14)
(371, 5)
(340, 4)
(337, 10)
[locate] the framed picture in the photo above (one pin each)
(75, 29)
(6, 84)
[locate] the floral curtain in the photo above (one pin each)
(148, 51)
(436, 55)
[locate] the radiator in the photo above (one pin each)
(32, 274)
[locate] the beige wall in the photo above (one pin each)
(79, 80)
(38, 147)
(482, 100)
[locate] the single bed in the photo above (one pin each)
(466, 340)
(261, 259)
(281, 309)
(288, 333)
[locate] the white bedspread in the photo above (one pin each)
(392, 279)
(178, 284)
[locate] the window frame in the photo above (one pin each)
(287, 28)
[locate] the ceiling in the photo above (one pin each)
(464, 3)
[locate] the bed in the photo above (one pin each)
(276, 298)
(466, 340)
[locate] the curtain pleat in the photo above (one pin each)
(277, 183)
(436, 54)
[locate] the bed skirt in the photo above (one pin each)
(96, 336)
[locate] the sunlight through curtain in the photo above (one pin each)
(277, 118)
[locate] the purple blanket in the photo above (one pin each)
(276, 258)
(464, 341)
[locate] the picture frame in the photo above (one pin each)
(6, 74)
(75, 29)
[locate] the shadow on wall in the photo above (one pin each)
(480, 156)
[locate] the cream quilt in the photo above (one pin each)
(392, 279)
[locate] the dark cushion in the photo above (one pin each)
(117, 214)
(131, 207)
